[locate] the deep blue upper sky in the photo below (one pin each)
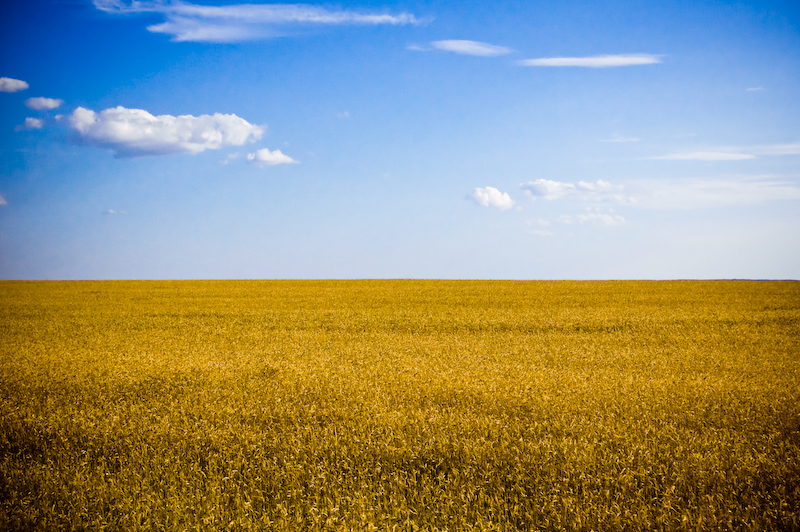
(529, 140)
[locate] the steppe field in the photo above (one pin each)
(399, 405)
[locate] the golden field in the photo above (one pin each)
(399, 405)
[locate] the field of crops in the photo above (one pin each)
(399, 405)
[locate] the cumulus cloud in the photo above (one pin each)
(598, 61)
(185, 21)
(594, 218)
(471, 48)
(12, 85)
(135, 132)
(43, 104)
(264, 157)
(491, 197)
(30, 123)
(550, 190)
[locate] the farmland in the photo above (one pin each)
(399, 405)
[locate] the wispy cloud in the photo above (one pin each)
(135, 132)
(732, 153)
(471, 48)
(776, 149)
(12, 85)
(3, 200)
(264, 157)
(541, 231)
(417, 48)
(551, 190)
(705, 156)
(669, 194)
(709, 193)
(594, 218)
(620, 139)
(598, 61)
(43, 104)
(30, 123)
(754, 89)
(112, 212)
(240, 22)
(491, 197)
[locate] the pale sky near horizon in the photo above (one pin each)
(402, 139)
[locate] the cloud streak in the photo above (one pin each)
(135, 132)
(241, 22)
(710, 193)
(732, 153)
(476, 48)
(552, 190)
(598, 61)
(705, 156)
(12, 85)
(609, 220)
(491, 197)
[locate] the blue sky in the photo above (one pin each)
(401, 139)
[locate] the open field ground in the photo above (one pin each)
(400, 405)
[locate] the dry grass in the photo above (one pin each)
(399, 405)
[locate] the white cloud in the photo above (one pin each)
(598, 186)
(599, 61)
(30, 123)
(230, 157)
(112, 212)
(733, 153)
(707, 193)
(673, 194)
(135, 132)
(705, 156)
(239, 22)
(541, 224)
(610, 220)
(43, 104)
(550, 190)
(471, 48)
(12, 85)
(777, 149)
(620, 138)
(3, 200)
(264, 157)
(491, 197)
(754, 89)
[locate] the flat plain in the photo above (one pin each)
(399, 405)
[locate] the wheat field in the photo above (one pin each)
(399, 405)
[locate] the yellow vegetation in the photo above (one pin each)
(399, 405)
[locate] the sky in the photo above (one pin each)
(569, 139)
